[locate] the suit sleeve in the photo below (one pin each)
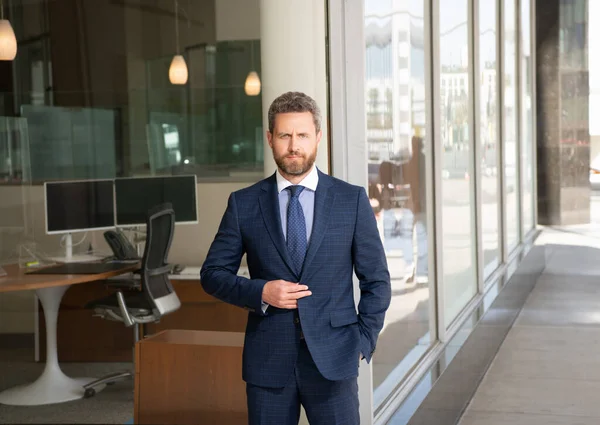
(370, 266)
(219, 272)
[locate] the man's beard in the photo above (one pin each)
(298, 166)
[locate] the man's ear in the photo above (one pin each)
(270, 139)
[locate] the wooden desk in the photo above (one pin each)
(53, 386)
(17, 280)
(190, 377)
(85, 338)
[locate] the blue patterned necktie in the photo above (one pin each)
(296, 229)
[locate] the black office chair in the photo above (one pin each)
(137, 305)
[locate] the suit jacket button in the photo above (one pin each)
(296, 320)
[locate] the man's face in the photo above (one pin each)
(294, 142)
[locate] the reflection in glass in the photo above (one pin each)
(460, 284)
(488, 134)
(510, 126)
(71, 143)
(16, 208)
(527, 169)
(122, 69)
(396, 122)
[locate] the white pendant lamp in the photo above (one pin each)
(178, 72)
(252, 84)
(8, 41)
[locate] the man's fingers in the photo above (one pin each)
(283, 294)
(298, 295)
(295, 287)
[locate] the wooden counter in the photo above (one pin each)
(84, 338)
(190, 377)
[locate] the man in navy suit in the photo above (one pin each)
(304, 234)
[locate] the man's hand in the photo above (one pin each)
(284, 294)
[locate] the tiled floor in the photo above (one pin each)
(445, 390)
(547, 371)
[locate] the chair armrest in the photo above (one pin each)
(127, 319)
(127, 284)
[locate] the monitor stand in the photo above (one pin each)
(69, 257)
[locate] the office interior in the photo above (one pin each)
(466, 121)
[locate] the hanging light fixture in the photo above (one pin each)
(178, 72)
(252, 84)
(8, 41)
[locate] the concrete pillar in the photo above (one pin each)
(292, 37)
(563, 150)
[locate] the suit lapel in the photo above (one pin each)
(324, 198)
(269, 207)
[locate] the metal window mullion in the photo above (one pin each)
(533, 117)
(338, 153)
(500, 144)
(475, 118)
(431, 182)
(518, 124)
(437, 163)
(348, 147)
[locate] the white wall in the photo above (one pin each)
(294, 59)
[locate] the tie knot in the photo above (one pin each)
(296, 190)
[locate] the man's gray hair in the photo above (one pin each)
(294, 101)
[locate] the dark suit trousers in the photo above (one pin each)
(325, 402)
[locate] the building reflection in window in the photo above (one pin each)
(397, 146)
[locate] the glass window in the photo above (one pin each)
(510, 126)
(102, 101)
(403, 61)
(397, 148)
(458, 224)
(527, 166)
(488, 135)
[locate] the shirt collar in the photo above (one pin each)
(310, 181)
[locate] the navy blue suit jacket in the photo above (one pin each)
(344, 239)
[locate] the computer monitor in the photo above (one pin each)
(78, 206)
(136, 195)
